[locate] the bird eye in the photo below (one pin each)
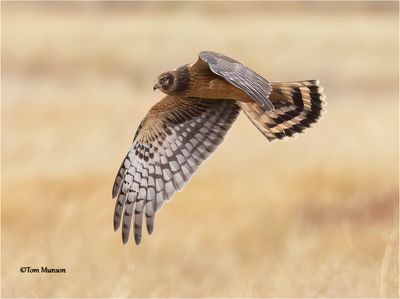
(164, 80)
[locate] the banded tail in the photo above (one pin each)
(298, 105)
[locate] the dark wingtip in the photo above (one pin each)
(268, 106)
(125, 240)
(149, 228)
(138, 239)
(116, 224)
(125, 236)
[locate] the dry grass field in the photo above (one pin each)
(316, 216)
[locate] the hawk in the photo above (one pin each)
(181, 131)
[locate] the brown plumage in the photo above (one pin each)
(221, 78)
(186, 126)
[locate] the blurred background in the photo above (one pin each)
(314, 216)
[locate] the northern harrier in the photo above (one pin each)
(179, 132)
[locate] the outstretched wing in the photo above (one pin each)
(240, 76)
(174, 138)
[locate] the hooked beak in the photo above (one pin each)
(156, 86)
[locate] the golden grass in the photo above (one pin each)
(316, 216)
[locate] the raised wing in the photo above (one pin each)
(174, 138)
(240, 76)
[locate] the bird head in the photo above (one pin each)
(174, 82)
(165, 82)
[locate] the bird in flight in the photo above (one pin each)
(179, 132)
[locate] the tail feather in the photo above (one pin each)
(298, 105)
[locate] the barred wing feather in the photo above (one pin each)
(174, 138)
